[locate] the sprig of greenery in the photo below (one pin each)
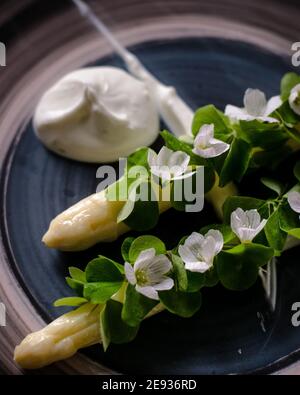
(237, 265)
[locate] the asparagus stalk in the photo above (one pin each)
(64, 336)
(90, 221)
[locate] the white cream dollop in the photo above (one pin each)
(97, 114)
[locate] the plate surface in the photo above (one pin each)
(233, 332)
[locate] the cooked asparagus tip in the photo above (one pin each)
(90, 221)
(64, 337)
(61, 339)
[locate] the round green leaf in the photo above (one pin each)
(238, 267)
(99, 293)
(103, 269)
(195, 281)
(112, 328)
(211, 277)
(77, 274)
(136, 306)
(143, 215)
(180, 303)
(125, 248)
(275, 186)
(142, 243)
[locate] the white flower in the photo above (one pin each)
(168, 164)
(198, 251)
(206, 146)
(148, 273)
(256, 106)
(294, 201)
(246, 224)
(294, 99)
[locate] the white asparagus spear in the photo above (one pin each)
(90, 221)
(63, 337)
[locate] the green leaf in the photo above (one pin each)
(126, 247)
(129, 206)
(211, 277)
(289, 117)
(296, 170)
(175, 144)
(196, 281)
(142, 243)
(100, 292)
(238, 267)
(143, 215)
(275, 236)
(270, 159)
(226, 231)
(77, 274)
(193, 187)
(236, 162)
(180, 303)
(138, 158)
(288, 81)
(76, 285)
(70, 301)
(136, 306)
(244, 202)
(180, 273)
(289, 220)
(112, 328)
(103, 269)
(211, 115)
(262, 134)
(275, 186)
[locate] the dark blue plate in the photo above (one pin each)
(233, 332)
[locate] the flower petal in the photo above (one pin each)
(246, 235)
(152, 158)
(272, 105)
(157, 268)
(252, 219)
(147, 291)
(206, 132)
(208, 249)
(212, 151)
(179, 158)
(163, 156)
(187, 255)
(255, 102)
(144, 258)
(237, 219)
(268, 119)
(260, 226)
(294, 201)
(194, 242)
(246, 224)
(237, 113)
(218, 237)
(165, 284)
(129, 273)
(198, 267)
